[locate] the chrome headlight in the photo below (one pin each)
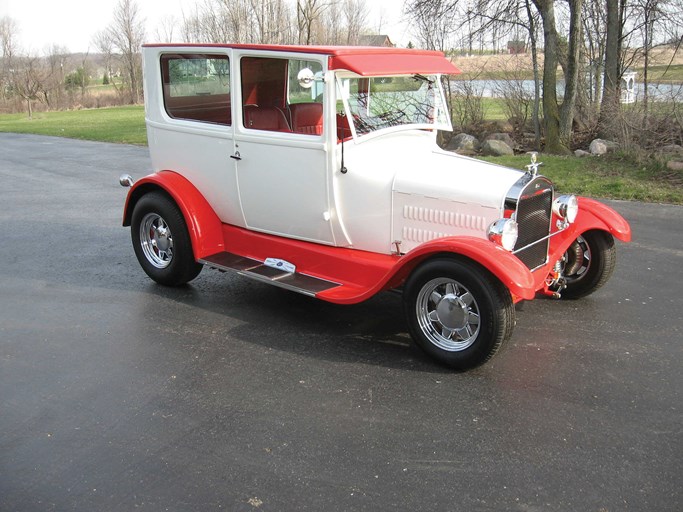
(566, 208)
(504, 233)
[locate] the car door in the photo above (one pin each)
(281, 168)
(189, 122)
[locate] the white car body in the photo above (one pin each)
(316, 169)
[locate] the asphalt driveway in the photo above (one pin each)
(118, 394)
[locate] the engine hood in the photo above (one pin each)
(447, 176)
(437, 194)
(403, 180)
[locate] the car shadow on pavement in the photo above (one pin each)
(373, 332)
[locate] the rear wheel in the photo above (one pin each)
(457, 312)
(161, 241)
(588, 263)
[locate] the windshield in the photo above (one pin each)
(388, 101)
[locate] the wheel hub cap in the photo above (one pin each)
(451, 312)
(156, 240)
(448, 314)
(160, 239)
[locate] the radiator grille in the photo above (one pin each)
(533, 219)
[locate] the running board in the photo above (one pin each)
(248, 267)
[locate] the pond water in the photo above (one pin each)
(497, 88)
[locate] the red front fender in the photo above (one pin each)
(203, 224)
(596, 215)
(592, 215)
(502, 264)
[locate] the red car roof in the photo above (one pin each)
(362, 60)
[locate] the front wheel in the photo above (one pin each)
(457, 312)
(161, 241)
(588, 263)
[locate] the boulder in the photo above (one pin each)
(503, 137)
(601, 146)
(463, 143)
(598, 147)
(672, 149)
(675, 165)
(580, 153)
(496, 148)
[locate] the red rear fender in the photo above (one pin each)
(203, 224)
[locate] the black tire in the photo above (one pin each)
(589, 263)
(457, 312)
(161, 241)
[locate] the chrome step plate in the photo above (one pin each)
(294, 281)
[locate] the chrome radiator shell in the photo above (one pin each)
(530, 200)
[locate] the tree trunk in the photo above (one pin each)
(571, 73)
(609, 105)
(551, 110)
(537, 79)
(649, 27)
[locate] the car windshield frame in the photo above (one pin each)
(381, 104)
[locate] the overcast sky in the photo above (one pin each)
(72, 23)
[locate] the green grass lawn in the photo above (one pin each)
(119, 124)
(664, 73)
(494, 109)
(611, 177)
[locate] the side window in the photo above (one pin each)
(274, 99)
(197, 87)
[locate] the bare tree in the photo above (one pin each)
(104, 42)
(274, 22)
(644, 25)
(126, 35)
(533, 38)
(8, 37)
(342, 22)
(166, 29)
(571, 73)
(610, 98)
(55, 62)
(28, 78)
(331, 27)
(594, 21)
(558, 121)
(271, 17)
(434, 22)
(8, 46)
(355, 15)
(24, 76)
(190, 27)
(514, 17)
(307, 14)
(239, 21)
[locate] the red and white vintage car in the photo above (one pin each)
(316, 169)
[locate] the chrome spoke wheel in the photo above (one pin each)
(156, 240)
(447, 314)
(577, 260)
(457, 312)
(588, 263)
(161, 240)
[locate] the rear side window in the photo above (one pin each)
(197, 87)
